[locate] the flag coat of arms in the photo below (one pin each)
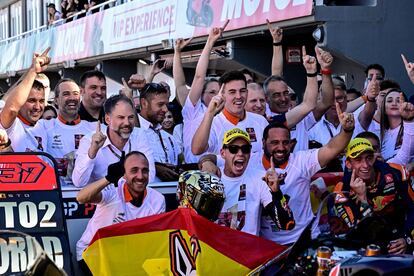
(176, 243)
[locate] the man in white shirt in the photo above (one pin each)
(231, 99)
(297, 169)
(249, 190)
(104, 146)
(131, 199)
(165, 148)
(256, 100)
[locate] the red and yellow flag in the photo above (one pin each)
(176, 243)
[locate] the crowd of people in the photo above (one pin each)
(68, 8)
(262, 143)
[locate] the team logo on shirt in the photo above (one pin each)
(77, 137)
(39, 143)
(242, 194)
(252, 134)
(57, 142)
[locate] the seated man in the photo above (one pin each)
(378, 188)
(246, 190)
(130, 200)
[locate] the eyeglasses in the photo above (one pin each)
(233, 149)
(340, 99)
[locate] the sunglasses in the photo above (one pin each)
(152, 87)
(233, 149)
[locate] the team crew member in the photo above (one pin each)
(104, 146)
(379, 188)
(165, 148)
(232, 97)
(93, 91)
(297, 169)
(245, 192)
(301, 118)
(130, 200)
(256, 100)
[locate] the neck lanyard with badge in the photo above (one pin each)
(158, 132)
(115, 153)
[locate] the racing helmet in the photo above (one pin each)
(202, 191)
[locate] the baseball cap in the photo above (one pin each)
(232, 134)
(51, 5)
(358, 146)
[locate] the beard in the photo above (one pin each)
(122, 134)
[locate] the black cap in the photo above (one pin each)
(51, 5)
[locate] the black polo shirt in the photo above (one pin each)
(84, 114)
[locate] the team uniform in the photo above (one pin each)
(165, 147)
(56, 137)
(392, 198)
(192, 116)
(299, 169)
(116, 207)
(90, 170)
(253, 124)
(246, 195)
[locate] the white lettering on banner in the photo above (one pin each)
(232, 9)
(17, 252)
(70, 42)
(28, 214)
(148, 20)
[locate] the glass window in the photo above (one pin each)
(4, 16)
(16, 18)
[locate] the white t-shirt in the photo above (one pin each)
(192, 116)
(253, 124)
(113, 209)
(300, 168)
(389, 145)
(89, 170)
(178, 135)
(54, 137)
(300, 131)
(165, 149)
(245, 196)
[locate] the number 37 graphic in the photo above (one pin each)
(20, 172)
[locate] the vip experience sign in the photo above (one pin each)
(31, 202)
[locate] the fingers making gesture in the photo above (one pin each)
(40, 62)
(98, 139)
(309, 62)
(276, 32)
(137, 81)
(181, 43)
(125, 90)
(358, 186)
(346, 119)
(217, 102)
(217, 32)
(409, 67)
(324, 58)
(272, 177)
(373, 89)
(406, 109)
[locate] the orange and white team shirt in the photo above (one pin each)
(115, 207)
(253, 124)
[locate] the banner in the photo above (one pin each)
(178, 243)
(31, 202)
(144, 23)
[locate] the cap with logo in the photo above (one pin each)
(233, 134)
(358, 146)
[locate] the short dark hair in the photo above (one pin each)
(90, 74)
(375, 66)
(112, 101)
(51, 108)
(354, 91)
(231, 76)
(135, 152)
(274, 125)
(207, 82)
(37, 85)
(271, 79)
(387, 84)
(57, 89)
(248, 72)
(368, 135)
(151, 89)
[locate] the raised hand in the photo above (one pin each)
(98, 139)
(359, 187)
(406, 109)
(373, 88)
(276, 32)
(180, 44)
(324, 58)
(272, 177)
(409, 67)
(217, 102)
(216, 33)
(156, 68)
(4, 138)
(116, 170)
(137, 81)
(125, 90)
(346, 119)
(309, 62)
(40, 62)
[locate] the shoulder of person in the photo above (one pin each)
(155, 196)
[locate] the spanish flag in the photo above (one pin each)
(176, 243)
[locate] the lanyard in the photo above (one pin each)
(116, 154)
(329, 129)
(158, 132)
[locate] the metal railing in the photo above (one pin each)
(100, 7)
